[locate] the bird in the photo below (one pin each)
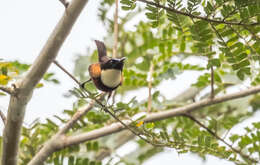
(106, 74)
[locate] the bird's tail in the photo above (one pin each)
(102, 52)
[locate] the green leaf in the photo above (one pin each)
(215, 62)
(183, 45)
(241, 56)
(200, 140)
(149, 125)
(256, 125)
(243, 63)
(234, 137)
(71, 160)
(208, 141)
(2, 94)
(95, 146)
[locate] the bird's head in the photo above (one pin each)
(113, 63)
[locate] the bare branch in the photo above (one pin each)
(219, 138)
(2, 115)
(115, 30)
(25, 87)
(97, 133)
(116, 127)
(81, 112)
(68, 73)
(6, 89)
(197, 17)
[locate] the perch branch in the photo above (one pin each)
(65, 71)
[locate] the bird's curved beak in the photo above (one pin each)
(122, 59)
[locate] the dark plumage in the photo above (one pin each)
(107, 73)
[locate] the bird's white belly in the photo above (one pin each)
(111, 77)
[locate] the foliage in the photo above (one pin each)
(13, 70)
(221, 34)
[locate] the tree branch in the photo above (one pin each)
(116, 127)
(2, 115)
(25, 87)
(68, 73)
(6, 89)
(195, 16)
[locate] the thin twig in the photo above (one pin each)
(126, 125)
(6, 89)
(219, 138)
(2, 115)
(195, 16)
(150, 81)
(65, 71)
(212, 93)
(115, 30)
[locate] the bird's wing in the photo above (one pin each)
(102, 52)
(94, 70)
